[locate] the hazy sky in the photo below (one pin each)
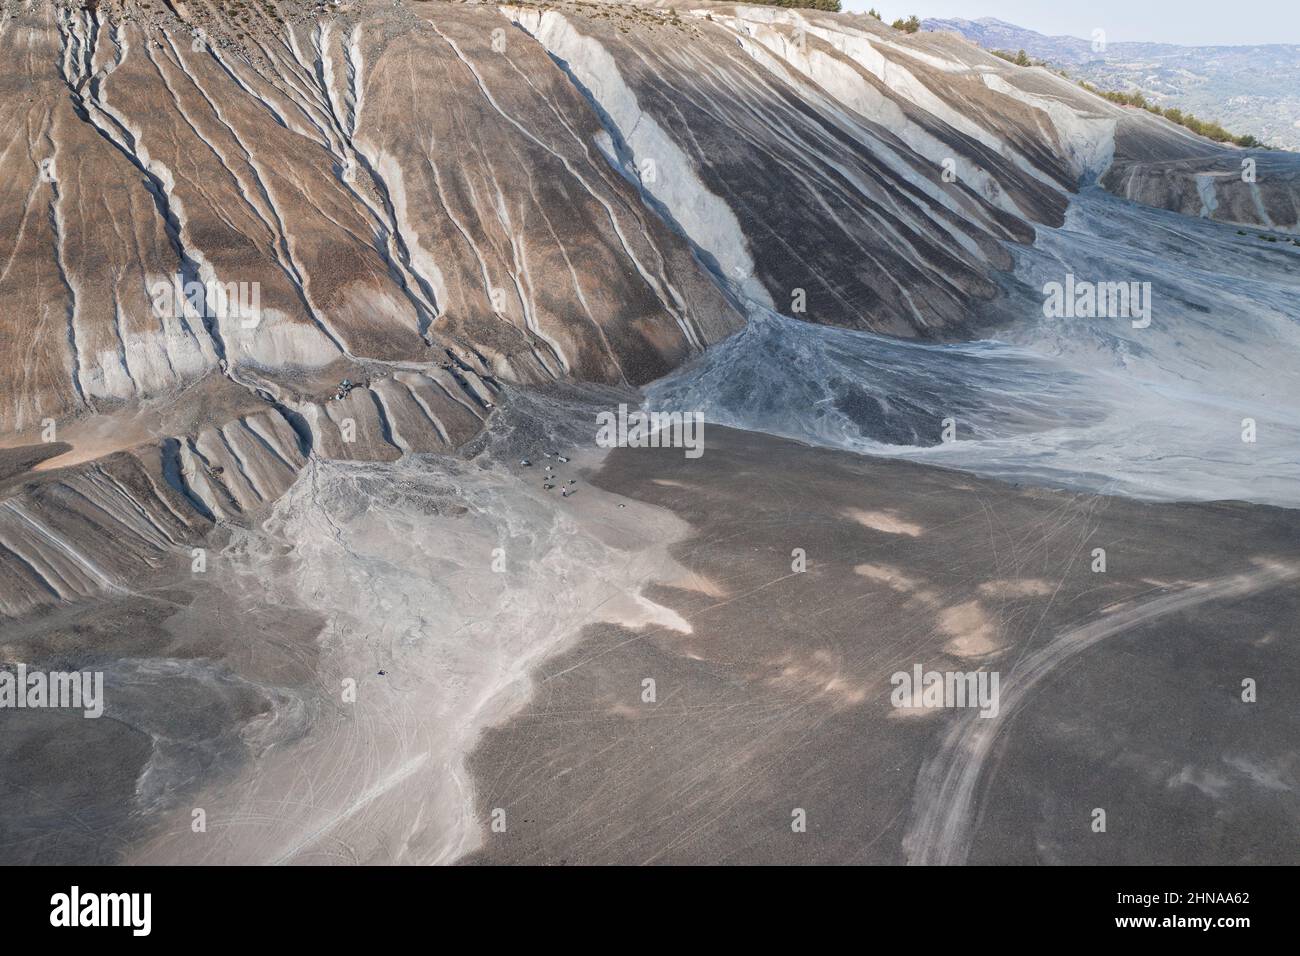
(1192, 22)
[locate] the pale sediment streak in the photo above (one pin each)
(1098, 405)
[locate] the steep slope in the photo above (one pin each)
(555, 210)
(882, 174)
(1248, 88)
(1045, 124)
(214, 212)
(310, 163)
(779, 184)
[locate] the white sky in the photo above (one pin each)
(1191, 22)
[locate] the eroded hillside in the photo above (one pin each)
(436, 201)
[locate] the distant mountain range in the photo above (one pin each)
(1248, 89)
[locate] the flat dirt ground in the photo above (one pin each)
(1120, 690)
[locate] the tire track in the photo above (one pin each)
(944, 807)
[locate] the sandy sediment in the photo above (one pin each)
(442, 586)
